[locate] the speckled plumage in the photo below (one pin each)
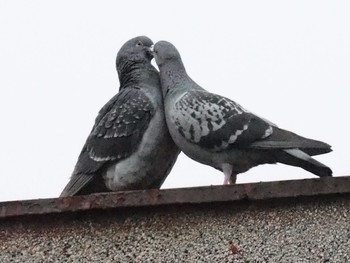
(217, 131)
(129, 146)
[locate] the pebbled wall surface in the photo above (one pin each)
(313, 228)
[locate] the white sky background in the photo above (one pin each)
(288, 61)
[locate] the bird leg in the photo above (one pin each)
(233, 178)
(230, 177)
(226, 181)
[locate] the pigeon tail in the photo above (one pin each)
(284, 139)
(82, 184)
(296, 157)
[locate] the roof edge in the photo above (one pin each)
(192, 195)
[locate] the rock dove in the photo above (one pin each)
(129, 146)
(217, 131)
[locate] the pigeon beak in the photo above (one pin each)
(150, 50)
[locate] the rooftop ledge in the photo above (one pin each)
(178, 196)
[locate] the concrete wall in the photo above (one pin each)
(306, 228)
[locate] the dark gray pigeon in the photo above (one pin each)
(129, 146)
(216, 131)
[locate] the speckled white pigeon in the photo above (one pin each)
(217, 131)
(129, 146)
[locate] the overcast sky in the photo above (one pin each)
(288, 61)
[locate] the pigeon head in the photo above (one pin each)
(166, 53)
(136, 50)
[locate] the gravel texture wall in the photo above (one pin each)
(302, 229)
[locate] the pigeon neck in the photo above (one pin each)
(174, 65)
(173, 71)
(134, 72)
(172, 78)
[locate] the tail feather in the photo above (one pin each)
(283, 139)
(296, 157)
(76, 183)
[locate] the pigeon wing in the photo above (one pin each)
(216, 123)
(117, 132)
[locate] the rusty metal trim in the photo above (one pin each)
(194, 195)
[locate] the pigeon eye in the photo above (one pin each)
(139, 43)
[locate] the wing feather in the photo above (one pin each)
(117, 132)
(215, 122)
